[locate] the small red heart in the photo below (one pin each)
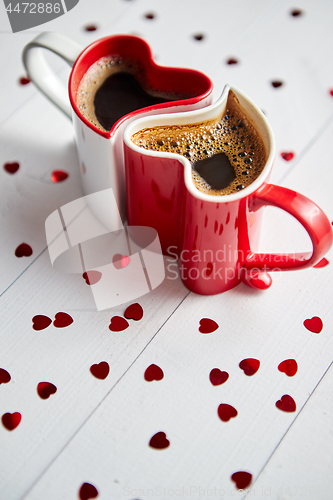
(40, 322)
(101, 370)
(241, 479)
(217, 377)
(62, 320)
(226, 412)
(91, 27)
(289, 367)
(232, 60)
(23, 250)
(58, 176)
(153, 372)
(4, 376)
(314, 325)
(159, 441)
(11, 420)
(118, 324)
(207, 325)
(87, 491)
(276, 83)
(45, 389)
(286, 403)
(11, 167)
(120, 261)
(24, 80)
(250, 366)
(92, 277)
(331, 92)
(322, 263)
(288, 155)
(134, 311)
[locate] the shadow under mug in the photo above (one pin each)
(100, 153)
(213, 236)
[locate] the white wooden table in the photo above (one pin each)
(97, 430)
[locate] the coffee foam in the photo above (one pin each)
(231, 133)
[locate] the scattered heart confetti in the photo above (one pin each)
(153, 372)
(46, 389)
(296, 13)
(287, 155)
(62, 320)
(40, 322)
(11, 420)
(199, 37)
(118, 324)
(207, 325)
(331, 92)
(4, 376)
(91, 27)
(241, 479)
(286, 403)
(217, 377)
(92, 277)
(134, 311)
(24, 80)
(159, 441)
(11, 167)
(250, 366)
(150, 15)
(232, 60)
(289, 367)
(314, 325)
(23, 250)
(276, 83)
(100, 370)
(322, 263)
(87, 491)
(226, 412)
(120, 261)
(58, 176)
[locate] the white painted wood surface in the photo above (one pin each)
(97, 431)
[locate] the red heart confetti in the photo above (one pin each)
(241, 479)
(250, 366)
(11, 167)
(87, 491)
(118, 324)
(134, 311)
(217, 377)
(23, 250)
(92, 277)
(322, 263)
(159, 441)
(11, 420)
(331, 92)
(24, 80)
(296, 12)
(120, 261)
(226, 412)
(46, 389)
(100, 370)
(62, 320)
(199, 37)
(232, 60)
(207, 325)
(91, 27)
(150, 15)
(153, 372)
(276, 83)
(58, 176)
(287, 155)
(286, 403)
(289, 367)
(314, 325)
(4, 376)
(40, 322)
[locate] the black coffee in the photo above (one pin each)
(227, 154)
(112, 88)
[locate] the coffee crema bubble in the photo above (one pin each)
(226, 154)
(113, 87)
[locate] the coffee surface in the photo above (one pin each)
(227, 154)
(114, 87)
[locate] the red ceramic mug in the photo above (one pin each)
(213, 236)
(101, 152)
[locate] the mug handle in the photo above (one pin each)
(312, 218)
(41, 73)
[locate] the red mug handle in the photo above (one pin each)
(308, 214)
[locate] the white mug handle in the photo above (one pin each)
(39, 71)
